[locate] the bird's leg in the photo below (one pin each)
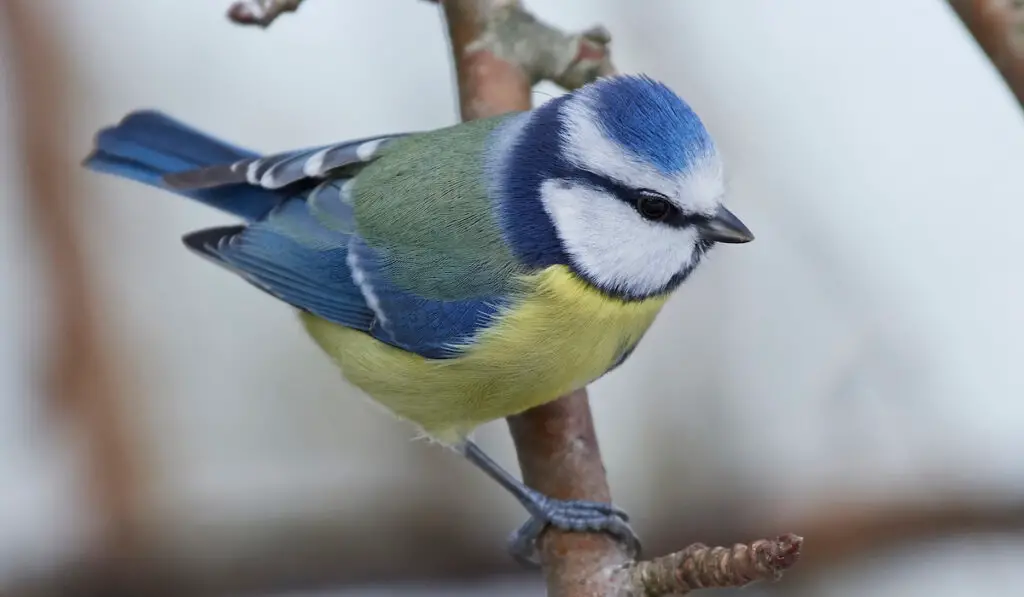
(568, 515)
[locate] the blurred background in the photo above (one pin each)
(853, 376)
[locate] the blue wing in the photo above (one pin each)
(299, 242)
(290, 256)
(432, 328)
(340, 278)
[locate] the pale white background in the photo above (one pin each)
(868, 344)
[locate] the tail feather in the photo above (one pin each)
(146, 145)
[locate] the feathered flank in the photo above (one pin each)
(436, 329)
(559, 337)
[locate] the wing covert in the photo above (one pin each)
(279, 170)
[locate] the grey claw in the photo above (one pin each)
(523, 542)
(574, 516)
(585, 506)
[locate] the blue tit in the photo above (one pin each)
(469, 273)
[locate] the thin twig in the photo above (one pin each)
(702, 567)
(261, 12)
(500, 52)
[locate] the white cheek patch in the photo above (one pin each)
(697, 190)
(611, 244)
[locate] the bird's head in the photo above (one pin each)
(620, 181)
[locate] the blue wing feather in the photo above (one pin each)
(298, 245)
(293, 258)
(282, 169)
(216, 244)
(338, 277)
(432, 328)
(331, 204)
(147, 145)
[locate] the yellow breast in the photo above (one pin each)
(562, 335)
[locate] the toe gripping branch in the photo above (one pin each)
(579, 516)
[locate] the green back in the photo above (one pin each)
(424, 200)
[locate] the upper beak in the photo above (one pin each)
(725, 227)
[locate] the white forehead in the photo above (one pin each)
(586, 146)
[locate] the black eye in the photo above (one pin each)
(653, 205)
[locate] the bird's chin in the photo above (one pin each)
(682, 276)
(703, 246)
(699, 251)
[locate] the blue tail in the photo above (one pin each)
(147, 144)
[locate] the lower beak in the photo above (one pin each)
(724, 227)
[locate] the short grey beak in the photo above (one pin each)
(725, 227)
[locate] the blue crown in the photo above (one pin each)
(650, 120)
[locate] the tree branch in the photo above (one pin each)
(998, 26)
(560, 457)
(261, 12)
(702, 567)
(500, 52)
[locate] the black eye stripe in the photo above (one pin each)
(629, 196)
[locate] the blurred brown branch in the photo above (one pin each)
(307, 552)
(843, 532)
(84, 376)
(998, 25)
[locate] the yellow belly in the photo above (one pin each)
(560, 337)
